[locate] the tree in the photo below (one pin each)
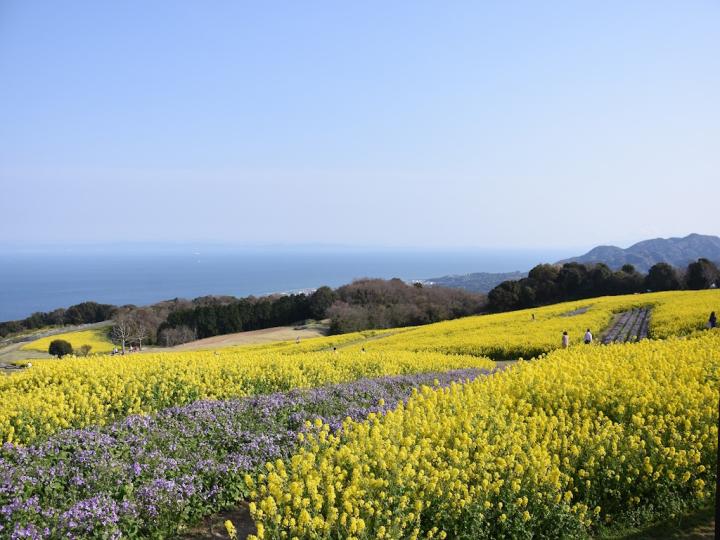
(123, 329)
(662, 277)
(320, 301)
(176, 336)
(140, 334)
(345, 318)
(56, 317)
(84, 350)
(505, 296)
(60, 348)
(88, 312)
(572, 279)
(601, 278)
(627, 281)
(701, 274)
(544, 272)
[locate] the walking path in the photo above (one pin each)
(365, 339)
(11, 347)
(630, 325)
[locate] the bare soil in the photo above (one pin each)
(266, 335)
(213, 527)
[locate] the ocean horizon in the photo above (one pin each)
(43, 280)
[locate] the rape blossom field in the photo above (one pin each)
(401, 433)
(550, 449)
(96, 338)
(58, 394)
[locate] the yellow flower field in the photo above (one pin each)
(516, 334)
(549, 448)
(683, 312)
(55, 395)
(80, 392)
(97, 338)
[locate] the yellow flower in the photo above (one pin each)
(230, 528)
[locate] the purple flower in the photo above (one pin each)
(144, 472)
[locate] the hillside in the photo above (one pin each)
(678, 252)
(157, 433)
(480, 282)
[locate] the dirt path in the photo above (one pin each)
(365, 340)
(12, 353)
(630, 325)
(698, 525)
(214, 526)
(266, 335)
(11, 348)
(574, 312)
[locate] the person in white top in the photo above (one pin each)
(565, 340)
(588, 337)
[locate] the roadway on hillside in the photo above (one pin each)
(11, 347)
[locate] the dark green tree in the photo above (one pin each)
(505, 296)
(701, 274)
(601, 278)
(572, 279)
(662, 277)
(60, 348)
(320, 301)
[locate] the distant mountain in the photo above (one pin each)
(481, 282)
(678, 252)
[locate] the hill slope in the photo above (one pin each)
(480, 282)
(678, 252)
(675, 251)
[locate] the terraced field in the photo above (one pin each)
(398, 433)
(632, 325)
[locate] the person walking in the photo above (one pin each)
(588, 337)
(712, 321)
(565, 340)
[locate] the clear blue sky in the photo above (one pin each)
(509, 124)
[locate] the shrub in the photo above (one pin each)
(60, 348)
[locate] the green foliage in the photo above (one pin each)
(701, 274)
(548, 284)
(320, 301)
(662, 277)
(60, 348)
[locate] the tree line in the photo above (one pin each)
(361, 305)
(378, 303)
(549, 284)
(365, 303)
(240, 315)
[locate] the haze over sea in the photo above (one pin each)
(42, 280)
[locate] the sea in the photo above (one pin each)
(41, 280)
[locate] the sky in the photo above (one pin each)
(426, 124)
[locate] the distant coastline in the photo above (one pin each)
(40, 281)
